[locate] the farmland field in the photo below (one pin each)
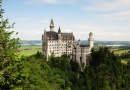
(119, 52)
(29, 50)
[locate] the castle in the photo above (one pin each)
(81, 53)
(59, 43)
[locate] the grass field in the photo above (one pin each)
(119, 51)
(29, 50)
(124, 61)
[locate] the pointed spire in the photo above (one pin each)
(59, 31)
(51, 25)
(52, 21)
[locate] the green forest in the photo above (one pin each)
(105, 70)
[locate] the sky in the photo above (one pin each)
(108, 20)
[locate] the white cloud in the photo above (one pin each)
(79, 29)
(28, 35)
(100, 33)
(113, 10)
(112, 33)
(124, 15)
(108, 5)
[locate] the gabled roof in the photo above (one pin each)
(54, 35)
(68, 36)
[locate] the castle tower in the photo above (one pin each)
(79, 42)
(51, 25)
(59, 42)
(90, 40)
(59, 31)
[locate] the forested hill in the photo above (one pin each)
(105, 72)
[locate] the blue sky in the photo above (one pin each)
(107, 19)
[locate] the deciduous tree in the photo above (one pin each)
(12, 72)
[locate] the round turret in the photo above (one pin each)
(90, 40)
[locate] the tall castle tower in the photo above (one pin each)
(51, 25)
(90, 40)
(59, 42)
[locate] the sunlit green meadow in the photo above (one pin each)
(119, 52)
(124, 61)
(28, 50)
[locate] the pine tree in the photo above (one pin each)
(12, 71)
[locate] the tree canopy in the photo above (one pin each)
(12, 72)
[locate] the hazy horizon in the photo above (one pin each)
(82, 40)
